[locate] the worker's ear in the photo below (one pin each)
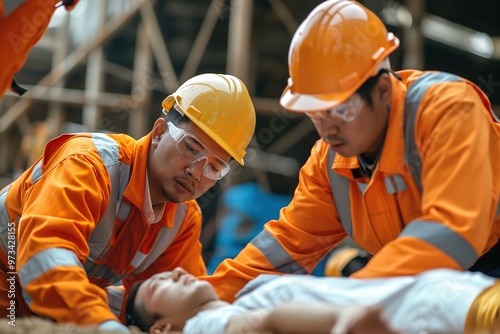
(161, 326)
(159, 129)
(383, 89)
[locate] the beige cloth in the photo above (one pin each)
(40, 326)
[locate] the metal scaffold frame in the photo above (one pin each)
(150, 46)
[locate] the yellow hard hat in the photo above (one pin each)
(333, 52)
(220, 105)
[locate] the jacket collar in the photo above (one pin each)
(138, 162)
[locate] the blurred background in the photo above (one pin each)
(107, 65)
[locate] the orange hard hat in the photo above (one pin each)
(220, 105)
(333, 52)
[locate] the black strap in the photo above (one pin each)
(19, 90)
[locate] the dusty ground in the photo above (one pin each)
(40, 326)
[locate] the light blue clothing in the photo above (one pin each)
(436, 301)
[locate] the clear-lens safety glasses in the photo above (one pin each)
(194, 151)
(347, 111)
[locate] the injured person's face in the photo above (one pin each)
(170, 298)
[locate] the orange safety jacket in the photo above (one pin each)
(434, 204)
(73, 224)
(22, 24)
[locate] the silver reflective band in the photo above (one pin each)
(191, 148)
(276, 254)
(443, 238)
(46, 260)
(340, 192)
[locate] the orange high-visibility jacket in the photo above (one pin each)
(22, 24)
(450, 223)
(79, 227)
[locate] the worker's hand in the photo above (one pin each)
(361, 320)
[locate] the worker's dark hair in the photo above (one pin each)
(365, 90)
(175, 116)
(133, 314)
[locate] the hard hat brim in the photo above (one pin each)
(305, 102)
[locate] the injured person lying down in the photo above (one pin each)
(436, 301)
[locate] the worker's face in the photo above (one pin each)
(364, 130)
(173, 177)
(173, 297)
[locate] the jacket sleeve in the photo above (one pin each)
(60, 211)
(20, 30)
(305, 231)
(458, 145)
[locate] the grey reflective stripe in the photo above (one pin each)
(395, 184)
(43, 262)
(119, 174)
(12, 5)
(362, 187)
(115, 300)
(412, 102)
(138, 258)
(4, 217)
(341, 197)
(4, 221)
(107, 148)
(46, 260)
(400, 183)
(164, 239)
(37, 172)
(276, 254)
(498, 210)
(102, 271)
(123, 211)
(100, 238)
(443, 238)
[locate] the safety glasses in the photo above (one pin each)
(347, 111)
(194, 151)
